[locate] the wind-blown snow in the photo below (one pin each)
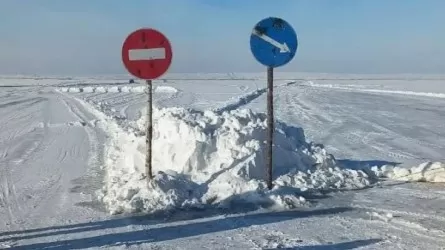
(203, 158)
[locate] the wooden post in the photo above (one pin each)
(270, 126)
(149, 131)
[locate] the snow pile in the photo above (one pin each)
(72, 90)
(89, 89)
(133, 89)
(203, 158)
(101, 89)
(165, 89)
(425, 172)
(114, 89)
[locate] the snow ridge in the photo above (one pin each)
(116, 89)
(245, 99)
(382, 91)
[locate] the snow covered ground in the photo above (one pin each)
(358, 163)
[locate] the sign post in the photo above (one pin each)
(273, 43)
(149, 130)
(147, 54)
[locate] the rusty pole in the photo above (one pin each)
(270, 127)
(149, 131)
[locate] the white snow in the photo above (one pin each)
(165, 89)
(425, 172)
(56, 150)
(355, 87)
(114, 89)
(215, 158)
(73, 90)
(88, 89)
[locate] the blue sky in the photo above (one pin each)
(352, 36)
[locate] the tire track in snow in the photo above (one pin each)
(23, 150)
(123, 111)
(19, 146)
(51, 194)
(390, 230)
(8, 196)
(92, 179)
(384, 148)
(300, 108)
(405, 213)
(92, 138)
(18, 114)
(17, 102)
(36, 192)
(120, 106)
(406, 227)
(353, 127)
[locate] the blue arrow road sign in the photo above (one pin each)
(273, 42)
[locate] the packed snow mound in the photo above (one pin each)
(211, 158)
(165, 89)
(425, 172)
(203, 143)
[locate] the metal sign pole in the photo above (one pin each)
(149, 132)
(270, 126)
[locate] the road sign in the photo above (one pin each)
(273, 42)
(146, 54)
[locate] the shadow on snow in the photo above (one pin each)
(158, 234)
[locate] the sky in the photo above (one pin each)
(343, 36)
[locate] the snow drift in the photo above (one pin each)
(205, 158)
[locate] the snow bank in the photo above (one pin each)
(117, 89)
(72, 90)
(360, 88)
(425, 172)
(205, 158)
(101, 90)
(89, 89)
(138, 89)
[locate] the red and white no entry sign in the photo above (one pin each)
(146, 54)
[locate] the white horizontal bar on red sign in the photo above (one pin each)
(146, 54)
